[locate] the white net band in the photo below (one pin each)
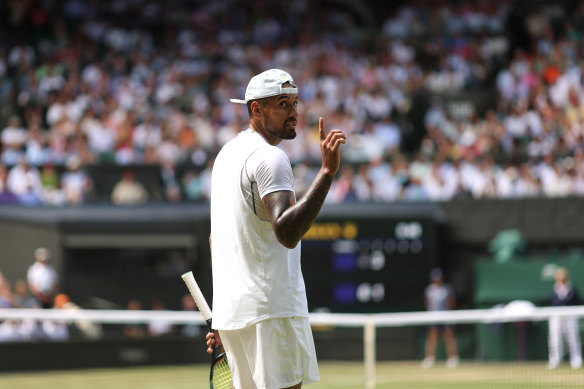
(494, 315)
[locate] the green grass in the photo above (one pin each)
(338, 375)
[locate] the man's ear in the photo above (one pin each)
(256, 109)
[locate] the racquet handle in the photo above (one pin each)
(189, 279)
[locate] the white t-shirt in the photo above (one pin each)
(43, 277)
(254, 276)
(438, 297)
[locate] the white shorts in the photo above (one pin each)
(271, 354)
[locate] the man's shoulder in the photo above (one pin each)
(270, 157)
(250, 144)
(242, 142)
(34, 268)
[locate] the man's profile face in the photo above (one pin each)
(281, 115)
(561, 276)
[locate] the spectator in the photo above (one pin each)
(128, 191)
(388, 133)
(159, 327)
(9, 331)
(412, 190)
(75, 182)
(192, 185)
(86, 327)
(54, 330)
(6, 295)
(22, 297)
(344, 188)
(30, 197)
(170, 182)
(189, 330)
(13, 138)
(6, 194)
(42, 278)
(146, 134)
(52, 193)
(24, 179)
(134, 330)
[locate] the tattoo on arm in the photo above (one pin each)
(291, 220)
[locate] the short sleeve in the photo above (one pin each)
(270, 168)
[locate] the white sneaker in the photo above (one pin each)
(428, 362)
(553, 365)
(452, 362)
(576, 364)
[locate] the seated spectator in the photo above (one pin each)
(192, 185)
(24, 180)
(87, 328)
(55, 330)
(388, 133)
(52, 193)
(13, 137)
(170, 182)
(49, 177)
(38, 150)
(30, 197)
(159, 327)
(134, 330)
(190, 330)
(75, 182)
(7, 196)
(128, 191)
(412, 190)
(344, 189)
(9, 331)
(146, 134)
(22, 297)
(16, 330)
(6, 296)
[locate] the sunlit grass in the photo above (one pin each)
(339, 375)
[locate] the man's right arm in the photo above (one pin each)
(290, 219)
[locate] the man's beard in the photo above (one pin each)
(283, 132)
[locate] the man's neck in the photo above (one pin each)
(257, 127)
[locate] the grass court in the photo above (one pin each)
(338, 375)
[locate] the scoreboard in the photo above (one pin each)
(369, 264)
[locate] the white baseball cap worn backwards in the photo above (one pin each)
(267, 84)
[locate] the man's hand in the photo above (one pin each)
(330, 145)
(213, 340)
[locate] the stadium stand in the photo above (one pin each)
(146, 85)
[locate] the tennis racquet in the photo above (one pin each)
(220, 376)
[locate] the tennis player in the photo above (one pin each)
(259, 298)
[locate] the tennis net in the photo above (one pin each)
(502, 347)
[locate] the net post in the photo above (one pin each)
(369, 351)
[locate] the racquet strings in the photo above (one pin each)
(220, 374)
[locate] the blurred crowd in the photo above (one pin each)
(133, 82)
(40, 288)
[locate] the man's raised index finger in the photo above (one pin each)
(321, 128)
